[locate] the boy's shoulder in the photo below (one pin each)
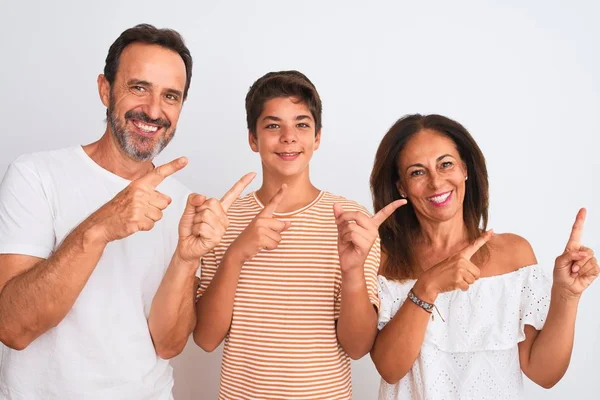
(244, 204)
(329, 199)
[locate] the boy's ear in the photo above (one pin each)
(252, 141)
(317, 139)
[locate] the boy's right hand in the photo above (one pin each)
(263, 233)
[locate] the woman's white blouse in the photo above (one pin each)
(474, 354)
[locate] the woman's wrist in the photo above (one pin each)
(425, 291)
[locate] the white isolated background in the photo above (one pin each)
(521, 76)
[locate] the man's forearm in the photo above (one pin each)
(357, 322)
(39, 298)
(172, 315)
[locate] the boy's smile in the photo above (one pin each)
(285, 137)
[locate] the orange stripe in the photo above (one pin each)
(282, 342)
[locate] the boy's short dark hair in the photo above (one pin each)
(282, 84)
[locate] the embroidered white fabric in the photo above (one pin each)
(474, 354)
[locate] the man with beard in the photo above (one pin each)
(99, 249)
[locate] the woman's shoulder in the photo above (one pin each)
(509, 252)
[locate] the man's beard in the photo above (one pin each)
(134, 145)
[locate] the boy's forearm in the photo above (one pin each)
(172, 315)
(357, 322)
(214, 309)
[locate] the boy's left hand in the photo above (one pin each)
(357, 232)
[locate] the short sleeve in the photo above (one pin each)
(26, 218)
(535, 298)
(371, 268)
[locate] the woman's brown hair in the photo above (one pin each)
(399, 232)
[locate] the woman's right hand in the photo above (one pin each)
(455, 272)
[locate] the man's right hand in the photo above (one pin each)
(263, 233)
(137, 207)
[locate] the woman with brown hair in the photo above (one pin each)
(506, 320)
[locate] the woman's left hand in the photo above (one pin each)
(576, 268)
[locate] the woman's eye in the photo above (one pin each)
(417, 172)
(447, 164)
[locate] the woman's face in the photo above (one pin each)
(432, 176)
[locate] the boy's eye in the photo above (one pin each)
(272, 126)
(303, 125)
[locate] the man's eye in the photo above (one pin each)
(139, 88)
(172, 97)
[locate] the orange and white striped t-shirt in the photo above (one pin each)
(282, 343)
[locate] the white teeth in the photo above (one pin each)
(288, 154)
(439, 199)
(146, 128)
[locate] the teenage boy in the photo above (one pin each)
(292, 286)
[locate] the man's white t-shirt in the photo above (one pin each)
(102, 349)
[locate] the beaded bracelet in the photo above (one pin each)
(428, 307)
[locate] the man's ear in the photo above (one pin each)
(317, 139)
(104, 90)
(253, 141)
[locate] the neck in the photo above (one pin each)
(443, 237)
(300, 191)
(106, 153)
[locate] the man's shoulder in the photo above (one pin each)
(46, 157)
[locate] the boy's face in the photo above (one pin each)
(285, 137)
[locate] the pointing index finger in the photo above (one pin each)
(158, 174)
(574, 242)
(477, 244)
(272, 206)
(235, 191)
(388, 210)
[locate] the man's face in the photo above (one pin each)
(145, 99)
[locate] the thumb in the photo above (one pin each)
(194, 200)
(337, 210)
(568, 257)
(287, 225)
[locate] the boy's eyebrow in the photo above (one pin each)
(271, 117)
(300, 117)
